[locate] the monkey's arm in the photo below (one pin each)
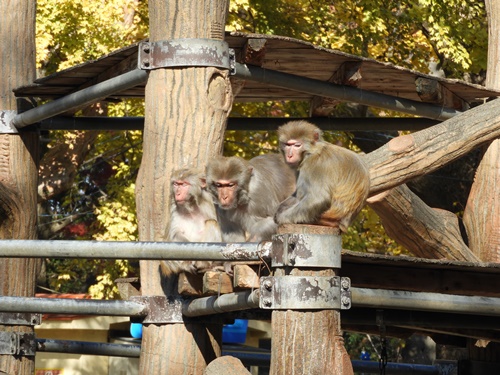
(304, 210)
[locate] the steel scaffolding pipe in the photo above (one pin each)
(72, 306)
(80, 98)
(219, 304)
(344, 93)
(372, 367)
(247, 123)
(421, 301)
(86, 347)
(244, 251)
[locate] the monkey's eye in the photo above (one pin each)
(297, 144)
(181, 183)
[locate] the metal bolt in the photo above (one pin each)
(345, 283)
(268, 285)
(267, 302)
(146, 48)
(346, 301)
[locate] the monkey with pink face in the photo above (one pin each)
(192, 218)
(332, 182)
(247, 194)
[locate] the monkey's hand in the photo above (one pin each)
(280, 215)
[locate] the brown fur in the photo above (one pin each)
(332, 182)
(192, 221)
(263, 182)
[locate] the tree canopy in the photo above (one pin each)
(97, 200)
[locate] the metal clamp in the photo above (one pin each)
(17, 343)
(305, 292)
(161, 309)
(6, 126)
(306, 250)
(20, 319)
(187, 52)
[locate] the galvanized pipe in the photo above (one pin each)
(225, 303)
(249, 356)
(377, 124)
(80, 98)
(86, 347)
(247, 251)
(72, 306)
(421, 301)
(372, 367)
(344, 93)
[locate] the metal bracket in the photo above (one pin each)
(20, 319)
(187, 52)
(6, 126)
(306, 250)
(161, 309)
(305, 292)
(17, 343)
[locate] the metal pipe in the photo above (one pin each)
(344, 93)
(72, 306)
(247, 123)
(80, 98)
(225, 303)
(421, 301)
(247, 251)
(372, 367)
(249, 356)
(85, 347)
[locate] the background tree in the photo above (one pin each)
(95, 201)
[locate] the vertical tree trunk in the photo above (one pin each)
(308, 342)
(186, 113)
(482, 213)
(18, 163)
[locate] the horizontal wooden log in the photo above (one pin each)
(426, 232)
(217, 283)
(245, 277)
(413, 155)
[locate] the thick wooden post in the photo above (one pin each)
(18, 164)
(308, 342)
(186, 113)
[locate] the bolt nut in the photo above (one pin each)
(268, 285)
(345, 283)
(267, 302)
(346, 301)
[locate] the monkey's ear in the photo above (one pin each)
(316, 135)
(203, 182)
(250, 170)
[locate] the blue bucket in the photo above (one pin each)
(235, 333)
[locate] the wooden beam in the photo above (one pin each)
(409, 156)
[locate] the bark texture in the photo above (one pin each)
(308, 342)
(406, 157)
(482, 213)
(426, 232)
(18, 164)
(186, 113)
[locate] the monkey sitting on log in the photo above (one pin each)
(332, 182)
(192, 218)
(247, 194)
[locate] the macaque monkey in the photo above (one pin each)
(192, 218)
(247, 194)
(332, 182)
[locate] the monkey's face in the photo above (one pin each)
(181, 191)
(293, 150)
(227, 193)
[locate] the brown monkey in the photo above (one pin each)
(332, 182)
(247, 194)
(192, 218)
